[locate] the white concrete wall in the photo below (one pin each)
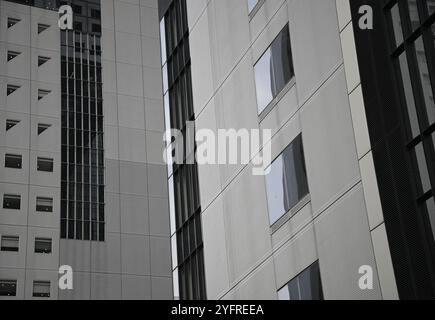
(25, 265)
(244, 258)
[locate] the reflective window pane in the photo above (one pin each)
(251, 5)
(425, 80)
(397, 25)
(273, 70)
(430, 205)
(422, 167)
(409, 95)
(282, 60)
(306, 286)
(286, 183)
(264, 80)
(413, 13)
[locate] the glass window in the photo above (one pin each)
(11, 89)
(10, 243)
(42, 27)
(44, 204)
(13, 161)
(413, 14)
(409, 95)
(12, 202)
(8, 288)
(12, 22)
(45, 165)
(425, 80)
(274, 70)
(43, 93)
(43, 245)
(306, 286)
(41, 289)
(11, 123)
(430, 205)
(12, 55)
(42, 128)
(163, 40)
(286, 183)
(397, 25)
(42, 60)
(251, 5)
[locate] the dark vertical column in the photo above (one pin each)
(400, 182)
(82, 189)
(178, 93)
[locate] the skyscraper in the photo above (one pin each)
(345, 208)
(349, 196)
(84, 184)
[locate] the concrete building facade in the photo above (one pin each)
(117, 44)
(245, 256)
(350, 191)
(333, 205)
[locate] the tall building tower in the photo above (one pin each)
(83, 183)
(351, 184)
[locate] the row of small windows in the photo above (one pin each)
(11, 55)
(15, 161)
(11, 88)
(11, 244)
(41, 289)
(41, 26)
(42, 127)
(13, 202)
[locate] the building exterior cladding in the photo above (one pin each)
(341, 194)
(340, 223)
(132, 258)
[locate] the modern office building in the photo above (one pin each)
(82, 182)
(345, 211)
(351, 181)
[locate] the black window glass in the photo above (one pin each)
(45, 165)
(43, 245)
(8, 288)
(13, 161)
(12, 202)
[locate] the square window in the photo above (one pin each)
(12, 202)
(11, 89)
(42, 60)
(44, 204)
(10, 243)
(41, 289)
(13, 161)
(12, 55)
(43, 93)
(42, 128)
(42, 27)
(11, 123)
(43, 245)
(12, 22)
(45, 165)
(8, 288)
